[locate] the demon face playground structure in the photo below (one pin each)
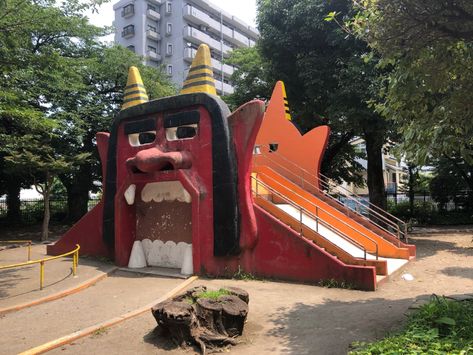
(179, 183)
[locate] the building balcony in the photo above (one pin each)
(198, 37)
(202, 19)
(154, 56)
(189, 54)
(153, 35)
(154, 15)
(156, 2)
(227, 89)
(240, 39)
(128, 32)
(128, 11)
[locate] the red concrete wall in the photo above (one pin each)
(87, 232)
(282, 254)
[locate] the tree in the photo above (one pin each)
(38, 44)
(327, 79)
(429, 46)
(90, 108)
(35, 153)
(52, 67)
(250, 79)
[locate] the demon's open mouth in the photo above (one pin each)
(163, 221)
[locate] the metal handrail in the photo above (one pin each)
(348, 194)
(28, 242)
(321, 209)
(393, 224)
(75, 262)
(318, 220)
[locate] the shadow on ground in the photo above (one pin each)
(464, 272)
(302, 328)
(163, 342)
(431, 245)
(25, 280)
(9, 279)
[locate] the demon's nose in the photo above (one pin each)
(154, 159)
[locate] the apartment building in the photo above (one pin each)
(394, 172)
(168, 33)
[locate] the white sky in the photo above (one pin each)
(243, 9)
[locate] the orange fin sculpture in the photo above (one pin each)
(298, 156)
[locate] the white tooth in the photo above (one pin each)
(165, 191)
(130, 194)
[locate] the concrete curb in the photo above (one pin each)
(60, 294)
(41, 349)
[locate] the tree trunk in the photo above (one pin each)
(48, 184)
(411, 190)
(374, 146)
(332, 151)
(78, 193)
(13, 200)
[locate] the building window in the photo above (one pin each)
(169, 69)
(151, 28)
(151, 7)
(168, 7)
(151, 49)
(168, 28)
(128, 31)
(131, 48)
(128, 10)
(169, 49)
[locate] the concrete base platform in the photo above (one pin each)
(158, 271)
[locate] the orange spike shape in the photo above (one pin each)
(304, 151)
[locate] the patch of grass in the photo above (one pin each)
(100, 332)
(441, 326)
(332, 283)
(213, 294)
(244, 276)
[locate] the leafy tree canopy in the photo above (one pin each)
(429, 47)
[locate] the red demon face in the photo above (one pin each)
(172, 177)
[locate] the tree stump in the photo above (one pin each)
(209, 322)
(234, 312)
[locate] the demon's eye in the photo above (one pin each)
(183, 125)
(181, 132)
(142, 138)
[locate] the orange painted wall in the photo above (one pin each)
(305, 151)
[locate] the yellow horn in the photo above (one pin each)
(286, 102)
(135, 92)
(200, 77)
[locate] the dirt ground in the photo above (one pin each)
(31, 232)
(289, 318)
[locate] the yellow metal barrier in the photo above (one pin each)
(28, 242)
(75, 262)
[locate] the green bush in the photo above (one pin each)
(440, 327)
(423, 211)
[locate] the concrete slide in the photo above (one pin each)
(346, 238)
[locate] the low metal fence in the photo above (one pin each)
(75, 263)
(32, 210)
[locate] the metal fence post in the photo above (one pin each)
(41, 275)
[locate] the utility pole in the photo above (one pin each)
(221, 50)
